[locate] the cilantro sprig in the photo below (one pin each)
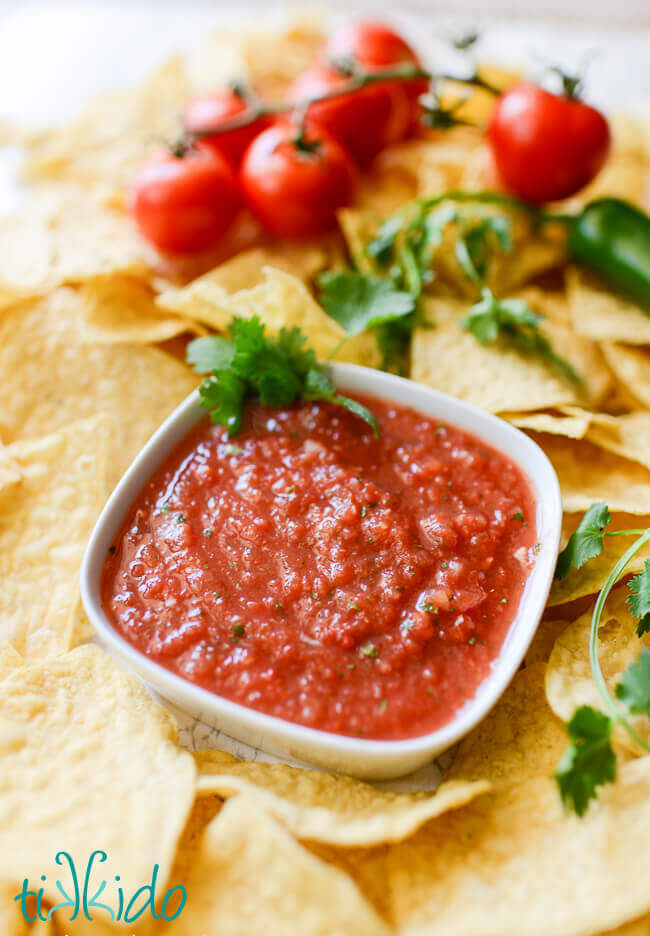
(403, 252)
(590, 762)
(250, 364)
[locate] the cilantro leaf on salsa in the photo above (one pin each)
(223, 395)
(634, 688)
(359, 302)
(251, 364)
(588, 762)
(586, 541)
(638, 600)
(320, 387)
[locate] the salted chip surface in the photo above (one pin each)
(495, 377)
(569, 680)
(588, 474)
(602, 314)
(49, 376)
(521, 738)
(632, 367)
(10, 659)
(45, 521)
(640, 927)
(67, 237)
(118, 309)
(627, 435)
(274, 58)
(89, 761)
(251, 876)
(327, 807)
(12, 922)
(513, 862)
(548, 630)
(570, 426)
(281, 301)
(591, 577)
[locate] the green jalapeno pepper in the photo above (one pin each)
(612, 238)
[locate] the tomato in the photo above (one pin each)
(364, 121)
(546, 147)
(374, 45)
(184, 204)
(210, 110)
(295, 189)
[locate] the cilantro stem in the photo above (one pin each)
(614, 709)
(624, 532)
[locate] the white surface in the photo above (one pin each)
(377, 760)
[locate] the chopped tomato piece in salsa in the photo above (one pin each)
(312, 571)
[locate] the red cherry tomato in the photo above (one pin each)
(183, 204)
(546, 147)
(374, 45)
(209, 111)
(295, 189)
(364, 121)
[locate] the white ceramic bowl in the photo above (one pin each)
(362, 758)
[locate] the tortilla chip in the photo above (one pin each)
(627, 435)
(50, 377)
(569, 680)
(89, 761)
(10, 660)
(251, 876)
(281, 301)
(543, 642)
(10, 471)
(632, 367)
(326, 807)
(113, 134)
(117, 309)
(243, 271)
(67, 238)
(358, 228)
(572, 427)
(274, 59)
(603, 315)
(521, 738)
(45, 522)
(495, 377)
(640, 927)
(513, 862)
(12, 922)
(592, 576)
(588, 474)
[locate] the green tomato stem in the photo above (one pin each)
(614, 709)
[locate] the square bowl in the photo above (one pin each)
(370, 759)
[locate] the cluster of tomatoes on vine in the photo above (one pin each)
(294, 163)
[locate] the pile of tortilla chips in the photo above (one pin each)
(93, 326)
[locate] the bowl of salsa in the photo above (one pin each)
(353, 599)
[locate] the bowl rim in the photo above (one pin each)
(497, 433)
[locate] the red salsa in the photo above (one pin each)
(309, 570)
